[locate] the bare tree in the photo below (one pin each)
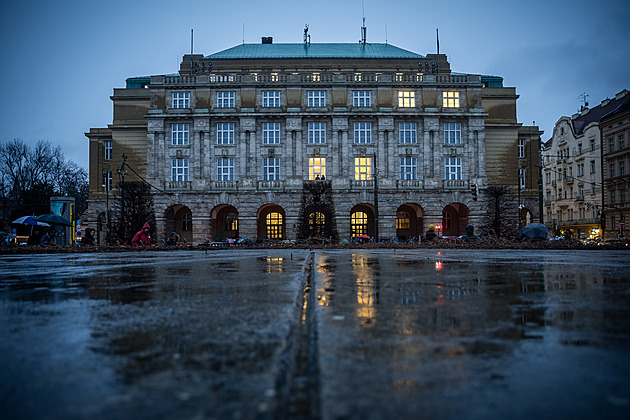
(501, 211)
(132, 208)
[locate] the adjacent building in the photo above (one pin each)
(278, 141)
(615, 132)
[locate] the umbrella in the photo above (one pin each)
(28, 220)
(54, 219)
(534, 231)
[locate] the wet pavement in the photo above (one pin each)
(333, 334)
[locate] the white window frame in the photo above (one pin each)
(452, 168)
(407, 133)
(271, 169)
(521, 178)
(408, 168)
(362, 98)
(107, 144)
(521, 148)
(180, 170)
(271, 99)
(317, 132)
(316, 167)
(180, 100)
(225, 133)
(450, 99)
(452, 133)
(107, 181)
(225, 169)
(226, 99)
(316, 98)
(271, 133)
(362, 168)
(362, 133)
(406, 99)
(180, 134)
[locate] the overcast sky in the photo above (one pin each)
(61, 59)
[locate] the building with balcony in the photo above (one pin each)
(277, 141)
(615, 132)
(572, 171)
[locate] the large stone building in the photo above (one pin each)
(572, 162)
(291, 140)
(615, 132)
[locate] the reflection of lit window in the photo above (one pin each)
(450, 99)
(403, 220)
(274, 264)
(406, 99)
(362, 168)
(316, 168)
(316, 221)
(358, 223)
(187, 222)
(274, 225)
(366, 289)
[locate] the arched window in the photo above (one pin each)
(358, 223)
(274, 225)
(316, 222)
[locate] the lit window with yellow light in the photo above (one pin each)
(274, 225)
(399, 77)
(403, 220)
(358, 77)
(316, 222)
(316, 77)
(362, 168)
(274, 77)
(406, 99)
(358, 223)
(450, 99)
(316, 168)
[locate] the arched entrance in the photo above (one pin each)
(362, 220)
(224, 222)
(271, 222)
(455, 217)
(526, 217)
(179, 220)
(408, 221)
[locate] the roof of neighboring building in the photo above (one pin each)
(248, 51)
(595, 114)
(623, 106)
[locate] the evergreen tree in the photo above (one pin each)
(132, 208)
(317, 212)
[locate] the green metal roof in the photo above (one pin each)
(138, 82)
(258, 51)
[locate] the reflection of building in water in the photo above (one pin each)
(324, 272)
(274, 264)
(367, 288)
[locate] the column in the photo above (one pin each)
(345, 152)
(299, 155)
(381, 165)
(336, 155)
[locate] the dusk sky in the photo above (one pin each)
(62, 59)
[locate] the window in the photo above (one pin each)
(231, 222)
(408, 168)
(316, 98)
(611, 144)
(579, 148)
(107, 181)
(225, 169)
(452, 133)
(181, 100)
(363, 133)
(271, 133)
(180, 134)
(592, 145)
(399, 77)
(316, 77)
(570, 214)
(108, 149)
(225, 100)
(271, 169)
(521, 178)
(362, 168)
(521, 148)
(358, 77)
(622, 196)
(622, 142)
(611, 167)
(358, 223)
(274, 77)
(316, 168)
(452, 168)
(271, 99)
(225, 133)
(316, 223)
(547, 178)
(450, 99)
(407, 133)
(362, 98)
(592, 166)
(274, 225)
(613, 194)
(593, 190)
(179, 170)
(187, 222)
(622, 168)
(582, 213)
(581, 193)
(580, 169)
(403, 220)
(317, 133)
(406, 99)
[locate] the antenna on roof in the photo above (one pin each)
(363, 28)
(191, 51)
(584, 97)
(243, 33)
(385, 33)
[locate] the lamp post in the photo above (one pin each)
(376, 234)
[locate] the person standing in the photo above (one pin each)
(143, 238)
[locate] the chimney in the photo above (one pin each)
(267, 40)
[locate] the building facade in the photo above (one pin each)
(615, 132)
(278, 141)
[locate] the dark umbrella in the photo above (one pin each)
(534, 231)
(54, 219)
(28, 220)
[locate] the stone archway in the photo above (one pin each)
(409, 221)
(455, 217)
(179, 220)
(224, 222)
(271, 222)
